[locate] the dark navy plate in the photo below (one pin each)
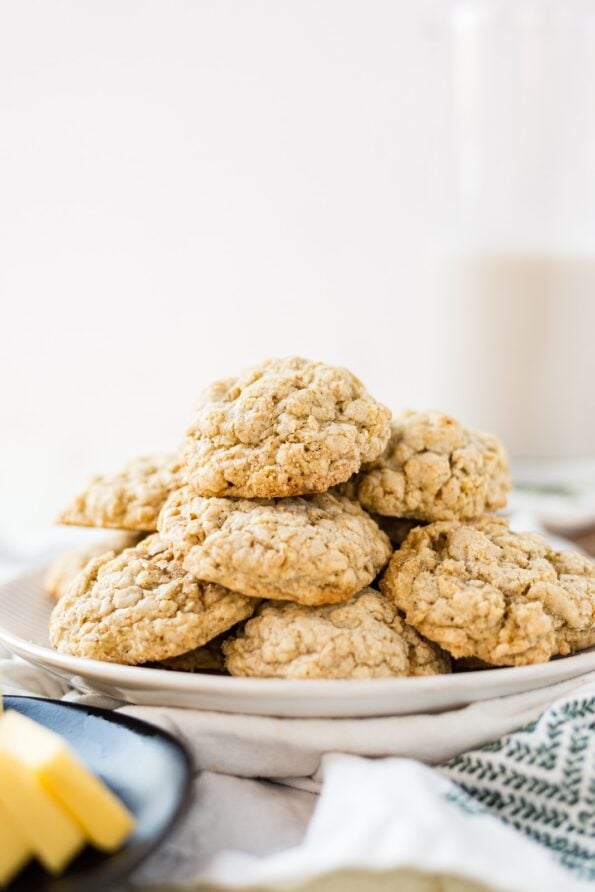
(147, 768)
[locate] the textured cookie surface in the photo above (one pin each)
(69, 564)
(364, 638)
(128, 500)
(435, 469)
(318, 549)
(481, 590)
(142, 606)
(286, 427)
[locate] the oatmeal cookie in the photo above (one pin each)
(347, 489)
(471, 664)
(128, 500)
(69, 564)
(435, 469)
(208, 658)
(317, 549)
(285, 427)
(364, 638)
(142, 606)
(396, 528)
(481, 590)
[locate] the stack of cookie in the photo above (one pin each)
(266, 535)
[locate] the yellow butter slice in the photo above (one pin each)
(14, 851)
(52, 835)
(106, 822)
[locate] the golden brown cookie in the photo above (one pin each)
(481, 590)
(140, 607)
(471, 664)
(69, 564)
(208, 658)
(363, 638)
(285, 427)
(396, 528)
(318, 549)
(347, 489)
(128, 500)
(435, 469)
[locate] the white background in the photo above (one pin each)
(187, 188)
(190, 187)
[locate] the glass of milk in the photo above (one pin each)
(518, 352)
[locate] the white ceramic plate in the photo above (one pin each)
(24, 615)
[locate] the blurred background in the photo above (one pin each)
(406, 188)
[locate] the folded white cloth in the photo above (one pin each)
(397, 815)
(291, 750)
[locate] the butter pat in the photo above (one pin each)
(104, 820)
(14, 851)
(47, 830)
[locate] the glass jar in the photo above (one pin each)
(518, 351)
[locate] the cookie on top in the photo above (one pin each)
(286, 427)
